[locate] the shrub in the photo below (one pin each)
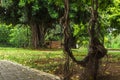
(4, 34)
(116, 42)
(20, 36)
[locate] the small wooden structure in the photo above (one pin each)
(54, 44)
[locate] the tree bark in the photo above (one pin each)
(67, 35)
(38, 35)
(34, 38)
(42, 32)
(96, 49)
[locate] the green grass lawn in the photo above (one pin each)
(46, 60)
(40, 59)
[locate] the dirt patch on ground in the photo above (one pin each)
(111, 71)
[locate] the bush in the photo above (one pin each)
(112, 41)
(116, 42)
(4, 34)
(53, 34)
(20, 36)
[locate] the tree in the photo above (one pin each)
(31, 12)
(114, 16)
(109, 14)
(35, 13)
(4, 34)
(96, 49)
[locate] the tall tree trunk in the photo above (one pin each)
(38, 35)
(96, 49)
(34, 38)
(42, 31)
(67, 35)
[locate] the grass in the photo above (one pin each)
(46, 60)
(114, 56)
(33, 58)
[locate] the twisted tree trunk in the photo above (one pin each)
(96, 49)
(66, 49)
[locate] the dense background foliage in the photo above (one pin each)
(17, 36)
(42, 20)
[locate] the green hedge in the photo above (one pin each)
(16, 36)
(20, 36)
(4, 34)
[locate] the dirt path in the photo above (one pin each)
(113, 72)
(14, 71)
(109, 72)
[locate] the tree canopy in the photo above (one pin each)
(43, 15)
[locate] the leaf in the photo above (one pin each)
(107, 72)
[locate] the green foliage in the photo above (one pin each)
(20, 36)
(113, 12)
(6, 3)
(4, 34)
(9, 11)
(50, 11)
(33, 58)
(79, 31)
(76, 30)
(108, 40)
(116, 42)
(54, 34)
(45, 60)
(112, 41)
